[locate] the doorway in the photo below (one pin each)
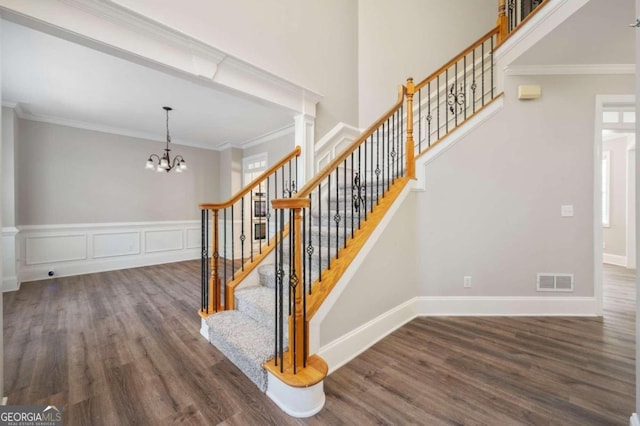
(614, 188)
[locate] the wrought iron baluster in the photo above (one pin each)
(353, 211)
(473, 85)
(491, 53)
(378, 163)
(309, 248)
(446, 110)
(242, 235)
(419, 121)
(320, 231)
(429, 115)
(344, 204)
(438, 106)
(328, 222)
(233, 252)
(293, 283)
(464, 65)
(337, 217)
(482, 90)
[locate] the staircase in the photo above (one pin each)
(246, 335)
(258, 314)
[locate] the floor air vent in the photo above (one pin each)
(555, 282)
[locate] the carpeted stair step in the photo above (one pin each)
(244, 341)
(259, 304)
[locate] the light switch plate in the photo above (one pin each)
(566, 210)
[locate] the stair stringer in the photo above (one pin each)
(315, 325)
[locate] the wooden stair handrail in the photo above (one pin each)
(238, 196)
(337, 161)
(457, 58)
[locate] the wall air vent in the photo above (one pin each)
(555, 282)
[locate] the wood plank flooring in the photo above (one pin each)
(123, 347)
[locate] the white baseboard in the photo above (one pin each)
(352, 344)
(10, 284)
(614, 259)
(506, 306)
(204, 329)
(347, 347)
(634, 420)
(76, 249)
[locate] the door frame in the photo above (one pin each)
(601, 101)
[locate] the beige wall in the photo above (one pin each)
(67, 175)
(492, 205)
(276, 149)
(386, 278)
(411, 38)
(229, 173)
(312, 43)
(615, 236)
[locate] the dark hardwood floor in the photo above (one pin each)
(123, 348)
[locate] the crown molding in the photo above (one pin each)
(268, 137)
(571, 69)
(96, 127)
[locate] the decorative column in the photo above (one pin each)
(304, 138)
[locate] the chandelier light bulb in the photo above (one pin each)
(164, 163)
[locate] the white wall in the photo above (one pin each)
(9, 130)
(386, 278)
(411, 38)
(615, 236)
(491, 208)
(68, 176)
(312, 43)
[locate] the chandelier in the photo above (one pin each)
(164, 163)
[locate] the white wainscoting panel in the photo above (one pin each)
(116, 244)
(164, 240)
(194, 239)
(77, 249)
(55, 248)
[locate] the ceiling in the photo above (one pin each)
(60, 81)
(598, 33)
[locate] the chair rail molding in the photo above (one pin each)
(333, 142)
(74, 249)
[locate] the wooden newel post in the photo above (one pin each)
(296, 322)
(411, 163)
(503, 27)
(215, 304)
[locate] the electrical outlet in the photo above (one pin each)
(467, 281)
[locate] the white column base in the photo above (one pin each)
(634, 420)
(10, 280)
(204, 329)
(296, 402)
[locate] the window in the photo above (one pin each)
(629, 117)
(606, 186)
(610, 117)
(253, 167)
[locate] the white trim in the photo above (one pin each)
(571, 69)
(296, 402)
(601, 100)
(333, 142)
(334, 295)
(96, 127)
(634, 420)
(204, 329)
(506, 306)
(614, 259)
(174, 242)
(452, 139)
(345, 348)
(339, 131)
(10, 280)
